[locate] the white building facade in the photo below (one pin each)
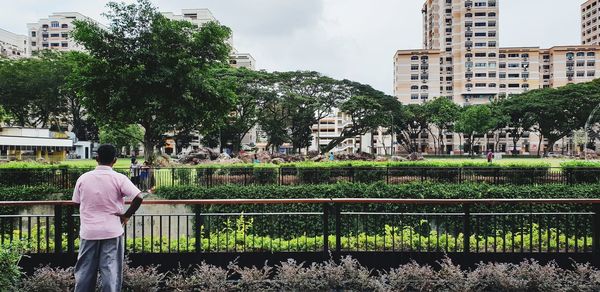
(13, 45)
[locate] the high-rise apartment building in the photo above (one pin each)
(54, 32)
(590, 22)
(12, 45)
(461, 58)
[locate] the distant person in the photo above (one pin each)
(490, 156)
(134, 169)
(100, 194)
(331, 156)
(256, 160)
(145, 176)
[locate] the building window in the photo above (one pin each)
(492, 74)
(64, 25)
(54, 24)
(580, 54)
(414, 58)
(64, 45)
(45, 45)
(414, 67)
(33, 44)
(580, 63)
(414, 77)
(591, 73)
(33, 34)
(414, 87)
(492, 55)
(480, 85)
(580, 73)
(54, 44)
(414, 96)
(64, 35)
(424, 96)
(513, 85)
(591, 54)
(513, 75)
(424, 87)
(54, 35)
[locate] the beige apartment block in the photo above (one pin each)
(461, 40)
(54, 32)
(13, 45)
(590, 22)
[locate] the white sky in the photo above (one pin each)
(353, 39)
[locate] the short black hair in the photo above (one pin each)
(106, 153)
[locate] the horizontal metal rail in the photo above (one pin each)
(326, 201)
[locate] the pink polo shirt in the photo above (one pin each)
(101, 193)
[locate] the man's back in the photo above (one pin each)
(101, 194)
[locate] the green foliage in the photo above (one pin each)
(381, 190)
(144, 64)
(130, 136)
(10, 273)
(22, 193)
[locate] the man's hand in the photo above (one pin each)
(124, 218)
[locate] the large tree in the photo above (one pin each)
(252, 90)
(518, 118)
(410, 122)
(558, 112)
(367, 108)
(443, 113)
(129, 137)
(309, 97)
(474, 120)
(153, 72)
(30, 90)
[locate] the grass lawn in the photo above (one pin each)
(121, 163)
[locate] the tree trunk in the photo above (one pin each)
(540, 144)
(149, 150)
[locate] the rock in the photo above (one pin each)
(398, 158)
(277, 160)
(381, 159)
(317, 158)
(223, 156)
(415, 157)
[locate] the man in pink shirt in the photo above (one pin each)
(100, 194)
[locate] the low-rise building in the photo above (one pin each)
(13, 45)
(54, 32)
(17, 143)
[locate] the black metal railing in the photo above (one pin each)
(333, 225)
(209, 177)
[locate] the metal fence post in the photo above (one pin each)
(466, 229)
(58, 229)
(387, 175)
(172, 177)
(338, 228)
(198, 228)
(596, 229)
(326, 229)
(70, 230)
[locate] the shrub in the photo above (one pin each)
(10, 256)
(409, 277)
(50, 279)
(265, 175)
(141, 279)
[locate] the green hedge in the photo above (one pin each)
(298, 224)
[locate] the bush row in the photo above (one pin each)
(423, 237)
(335, 275)
(297, 224)
(382, 190)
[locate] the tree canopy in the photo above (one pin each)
(153, 72)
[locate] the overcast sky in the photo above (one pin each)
(353, 39)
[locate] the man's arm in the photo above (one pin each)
(135, 205)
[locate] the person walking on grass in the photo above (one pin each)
(100, 194)
(490, 156)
